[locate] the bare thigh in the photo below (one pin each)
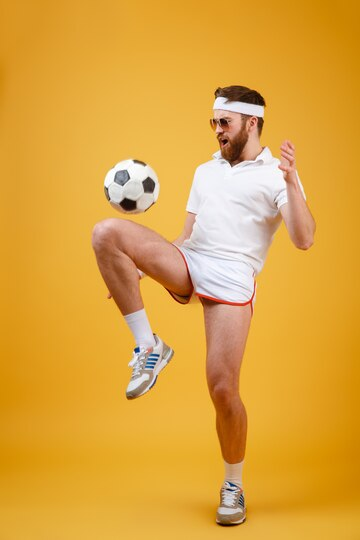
(150, 252)
(227, 328)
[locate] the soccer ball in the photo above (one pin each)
(131, 186)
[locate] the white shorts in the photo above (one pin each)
(220, 280)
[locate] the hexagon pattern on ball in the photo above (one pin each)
(131, 186)
(133, 190)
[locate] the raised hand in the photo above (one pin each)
(287, 162)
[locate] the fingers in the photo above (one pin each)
(109, 296)
(288, 156)
(284, 168)
(287, 150)
(288, 147)
(288, 144)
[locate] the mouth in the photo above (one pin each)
(223, 142)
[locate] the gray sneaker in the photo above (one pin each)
(147, 364)
(232, 509)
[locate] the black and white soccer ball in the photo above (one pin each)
(131, 186)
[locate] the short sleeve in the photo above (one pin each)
(281, 193)
(193, 203)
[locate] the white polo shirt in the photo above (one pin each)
(237, 208)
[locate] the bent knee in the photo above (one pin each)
(105, 233)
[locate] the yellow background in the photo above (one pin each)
(82, 86)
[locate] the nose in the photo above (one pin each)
(218, 129)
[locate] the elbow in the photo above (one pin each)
(305, 241)
(305, 245)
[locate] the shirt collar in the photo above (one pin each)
(264, 156)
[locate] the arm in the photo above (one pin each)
(187, 230)
(296, 213)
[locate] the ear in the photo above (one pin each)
(252, 123)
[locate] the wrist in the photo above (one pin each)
(291, 178)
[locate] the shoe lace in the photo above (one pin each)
(229, 494)
(137, 361)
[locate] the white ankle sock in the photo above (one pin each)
(140, 328)
(233, 473)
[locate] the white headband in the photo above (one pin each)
(239, 107)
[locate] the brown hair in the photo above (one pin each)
(242, 93)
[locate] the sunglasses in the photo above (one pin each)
(222, 122)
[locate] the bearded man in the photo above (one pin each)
(236, 203)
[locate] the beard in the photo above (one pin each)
(234, 147)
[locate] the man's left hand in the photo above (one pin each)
(287, 162)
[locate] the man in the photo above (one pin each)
(236, 204)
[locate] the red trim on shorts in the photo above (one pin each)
(187, 298)
(232, 303)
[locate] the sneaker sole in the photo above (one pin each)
(164, 362)
(227, 524)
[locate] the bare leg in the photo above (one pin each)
(122, 246)
(227, 328)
